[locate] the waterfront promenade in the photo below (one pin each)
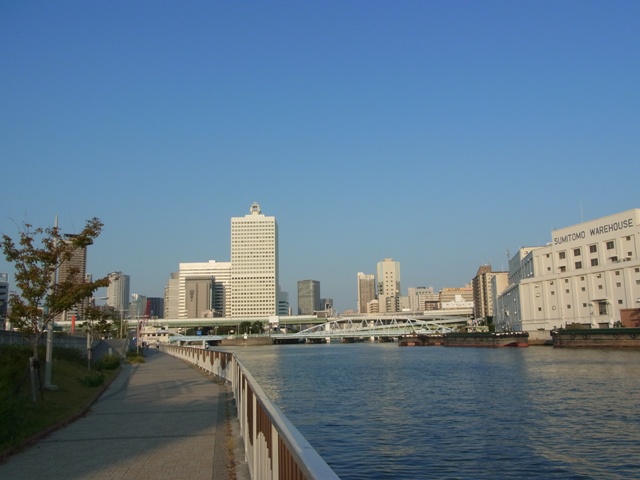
(158, 420)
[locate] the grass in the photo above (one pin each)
(21, 418)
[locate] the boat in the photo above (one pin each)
(486, 339)
(596, 338)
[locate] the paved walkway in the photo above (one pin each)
(158, 420)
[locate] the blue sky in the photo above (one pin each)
(438, 133)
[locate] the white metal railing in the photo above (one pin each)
(273, 446)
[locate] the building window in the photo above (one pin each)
(578, 265)
(552, 292)
(568, 307)
(610, 245)
(593, 248)
(599, 287)
(539, 309)
(619, 302)
(618, 284)
(583, 289)
(576, 252)
(594, 262)
(618, 273)
(602, 308)
(566, 291)
(563, 269)
(561, 255)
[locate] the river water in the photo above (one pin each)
(379, 411)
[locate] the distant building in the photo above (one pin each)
(73, 270)
(327, 305)
(586, 275)
(366, 291)
(204, 289)
(138, 306)
(254, 265)
(486, 285)
(388, 286)
(422, 298)
(171, 296)
(118, 292)
(4, 300)
(155, 307)
(284, 308)
(448, 295)
(308, 297)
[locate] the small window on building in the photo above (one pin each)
(566, 280)
(552, 292)
(578, 265)
(539, 309)
(593, 248)
(617, 273)
(563, 269)
(611, 245)
(566, 291)
(618, 284)
(602, 308)
(599, 287)
(576, 252)
(561, 255)
(583, 289)
(594, 262)
(584, 305)
(619, 302)
(568, 307)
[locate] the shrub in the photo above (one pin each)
(107, 362)
(93, 380)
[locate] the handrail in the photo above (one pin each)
(273, 446)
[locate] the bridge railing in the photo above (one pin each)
(273, 447)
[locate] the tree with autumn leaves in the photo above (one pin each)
(36, 257)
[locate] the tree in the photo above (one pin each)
(36, 259)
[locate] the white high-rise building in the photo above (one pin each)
(254, 265)
(204, 289)
(388, 286)
(118, 292)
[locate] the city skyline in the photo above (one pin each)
(439, 134)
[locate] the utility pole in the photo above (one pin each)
(49, 352)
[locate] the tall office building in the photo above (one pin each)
(483, 290)
(308, 297)
(171, 295)
(388, 286)
(74, 270)
(118, 292)
(366, 292)
(204, 289)
(254, 265)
